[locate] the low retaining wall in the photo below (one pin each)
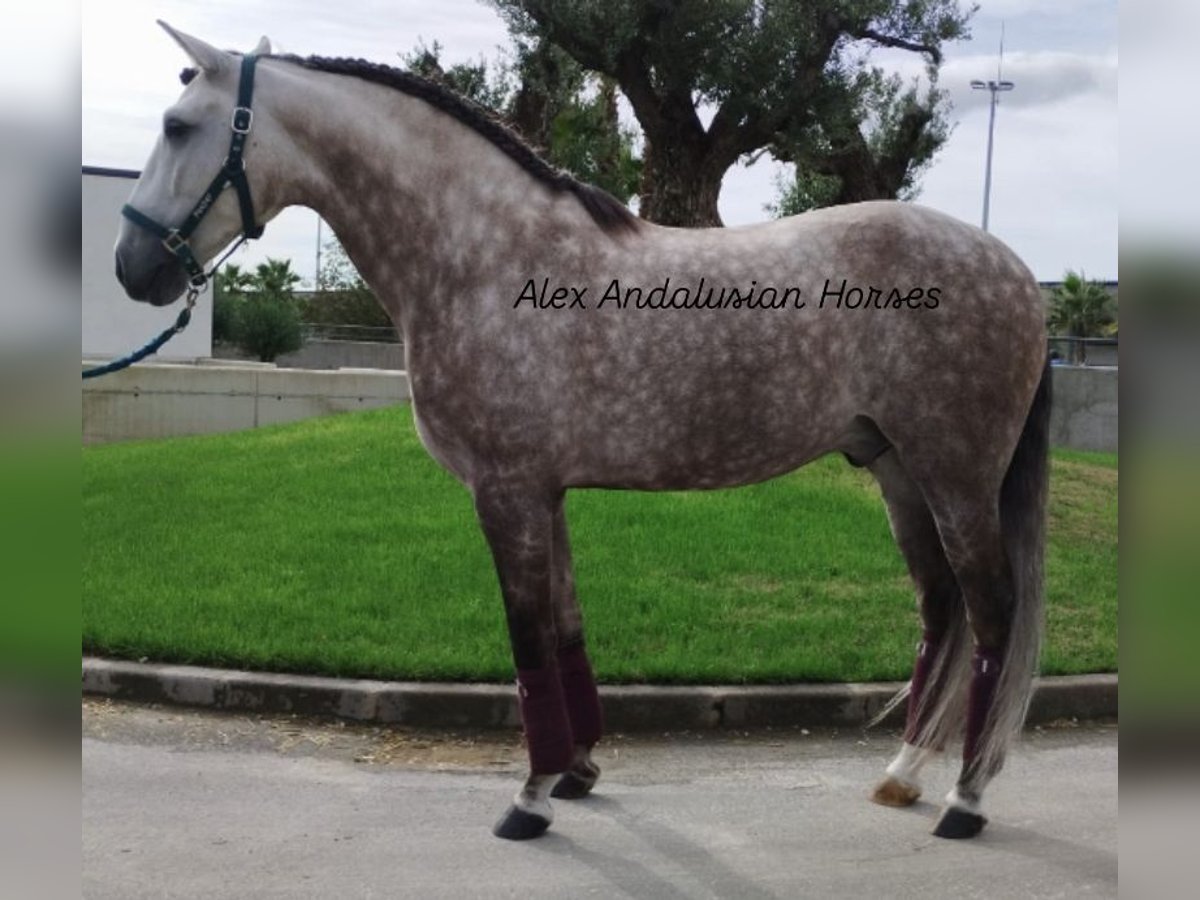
(161, 400)
(319, 353)
(1084, 413)
(165, 400)
(322, 354)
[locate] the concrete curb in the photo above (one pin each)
(627, 708)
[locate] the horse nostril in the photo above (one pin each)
(120, 269)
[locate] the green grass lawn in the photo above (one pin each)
(337, 546)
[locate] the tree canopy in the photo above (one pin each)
(567, 113)
(794, 79)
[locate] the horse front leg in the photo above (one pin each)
(579, 685)
(518, 526)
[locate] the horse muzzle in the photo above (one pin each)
(150, 275)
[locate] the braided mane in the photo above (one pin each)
(605, 209)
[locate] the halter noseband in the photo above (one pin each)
(233, 171)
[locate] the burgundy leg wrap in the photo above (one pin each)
(927, 652)
(583, 701)
(544, 716)
(985, 674)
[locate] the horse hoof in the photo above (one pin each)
(893, 792)
(957, 824)
(573, 786)
(518, 825)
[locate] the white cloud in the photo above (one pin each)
(1011, 9)
(1040, 77)
(1054, 182)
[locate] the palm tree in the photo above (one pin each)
(1079, 309)
(276, 279)
(258, 311)
(232, 280)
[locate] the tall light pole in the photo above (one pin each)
(996, 87)
(317, 277)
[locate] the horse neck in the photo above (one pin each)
(422, 204)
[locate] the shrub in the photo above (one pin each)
(342, 297)
(224, 320)
(257, 311)
(346, 307)
(268, 327)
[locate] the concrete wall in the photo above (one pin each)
(1095, 353)
(1101, 355)
(114, 325)
(324, 354)
(162, 400)
(1084, 413)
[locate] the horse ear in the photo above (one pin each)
(263, 48)
(206, 56)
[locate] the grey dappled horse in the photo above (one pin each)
(555, 341)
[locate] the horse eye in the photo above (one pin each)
(175, 128)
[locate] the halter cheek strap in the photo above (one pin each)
(233, 171)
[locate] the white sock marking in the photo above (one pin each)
(907, 765)
(955, 799)
(534, 797)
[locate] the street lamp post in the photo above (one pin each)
(317, 277)
(995, 87)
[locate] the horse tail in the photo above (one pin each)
(941, 711)
(1023, 522)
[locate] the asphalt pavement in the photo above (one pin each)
(189, 803)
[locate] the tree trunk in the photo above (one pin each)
(680, 185)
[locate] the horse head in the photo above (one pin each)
(182, 210)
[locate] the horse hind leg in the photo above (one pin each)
(934, 706)
(976, 551)
(994, 540)
(518, 526)
(991, 520)
(575, 671)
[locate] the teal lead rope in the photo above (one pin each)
(185, 316)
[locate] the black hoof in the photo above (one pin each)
(957, 824)
(518, 825)
(573, 787)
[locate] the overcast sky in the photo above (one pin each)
(1054, 176)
